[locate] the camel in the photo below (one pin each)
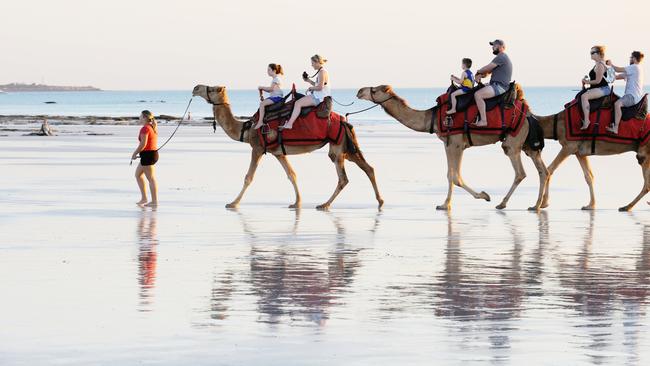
(421, 121)
(235, 130)
(555, 126)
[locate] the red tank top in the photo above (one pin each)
(152, 137)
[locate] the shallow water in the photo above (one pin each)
(87, 277)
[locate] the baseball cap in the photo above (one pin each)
(498, 42)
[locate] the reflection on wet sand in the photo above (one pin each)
(147, 257)
(596, 289)
(291, 279)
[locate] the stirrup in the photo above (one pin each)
(449, 121)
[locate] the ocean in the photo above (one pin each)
(543, 100)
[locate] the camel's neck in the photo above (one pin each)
(414, 119)
(231, 126)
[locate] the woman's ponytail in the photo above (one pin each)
(151, 120)
(277, 69)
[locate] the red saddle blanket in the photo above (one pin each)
(307, 130)
(511, 119)
(629, 132)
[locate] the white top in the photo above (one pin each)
(325, 92)
(276, 92)
(634, 81)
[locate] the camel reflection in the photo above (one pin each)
(598, 285)
(294, 277)
(147, 257)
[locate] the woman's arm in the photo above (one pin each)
(266, 88)
(143, 143)
(321, 83)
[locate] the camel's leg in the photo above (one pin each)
(450, 181)
(370, 172)
(645, 168)
(255, 160)
(456, 157)
(589, 178)
(339, 161)
(559, 159)
(515, 158)
(536, 156)
(291, 174)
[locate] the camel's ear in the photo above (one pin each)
(386, 88)
(219, 89)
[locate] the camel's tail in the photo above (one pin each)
(351, 143)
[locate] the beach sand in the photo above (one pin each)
(87, 277)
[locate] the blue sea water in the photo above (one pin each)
(543, 100)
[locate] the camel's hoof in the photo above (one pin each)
(232, 205)
(624, 209)
(323, 207)
(501, 206)
(381, 204)
(485, 196)
(295, 205)
(443, 207)
(534, 208)
(589, 208)
(544, 205)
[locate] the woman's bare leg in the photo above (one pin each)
(585, 98)
(306, 101)
(149, 172)
(263, 104)
(139, 178)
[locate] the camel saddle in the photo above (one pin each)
(465, 101)
(309, 129)
(283, 109)
(502, 119)
(633, 129)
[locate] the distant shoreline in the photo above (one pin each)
(20, 87)
(22, 119)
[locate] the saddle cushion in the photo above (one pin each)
(631, 131)
(498, 119)
(466, 100)
(307, 130)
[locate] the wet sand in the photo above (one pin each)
(87, 277)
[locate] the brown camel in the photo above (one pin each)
(581, 149)
(421, 121)
(338, 153)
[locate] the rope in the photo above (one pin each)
(177, 126)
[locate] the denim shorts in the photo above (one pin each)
(498, 88)
(276, 99)
(627, 100)
(316, 100)
(605, 90)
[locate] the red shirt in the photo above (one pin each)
(152, 137)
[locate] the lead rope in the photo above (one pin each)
(177, 126)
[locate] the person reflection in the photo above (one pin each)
(147, 257)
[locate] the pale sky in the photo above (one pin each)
(165, 44)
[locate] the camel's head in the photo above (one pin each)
(376, 94)
(212, 94)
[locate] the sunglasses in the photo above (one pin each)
(594, 52)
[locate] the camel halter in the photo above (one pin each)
(372, 98)
(214, 119)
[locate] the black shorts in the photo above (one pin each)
(149, 157)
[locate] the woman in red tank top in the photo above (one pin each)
(148, 151)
